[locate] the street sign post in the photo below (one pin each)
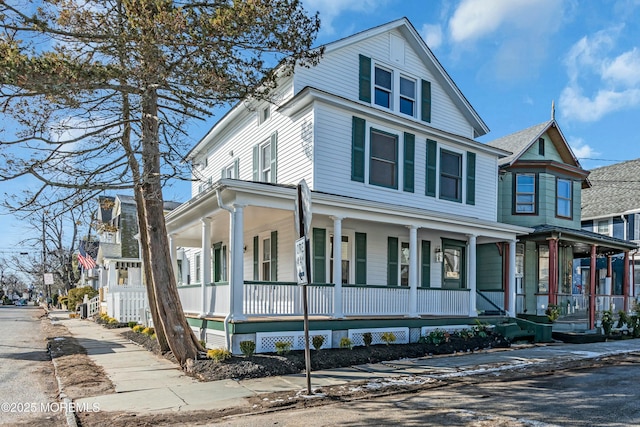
(303, 224)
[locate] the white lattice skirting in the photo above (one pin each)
(266, 341)
(401, 334)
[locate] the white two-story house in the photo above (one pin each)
(402, 197)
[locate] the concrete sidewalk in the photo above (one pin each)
(146, 383)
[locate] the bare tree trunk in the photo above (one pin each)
(142, 228)
(181, 339)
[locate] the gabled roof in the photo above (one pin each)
(615, 191)
(519, 142)
(406, 28)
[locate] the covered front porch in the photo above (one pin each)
(233, 252)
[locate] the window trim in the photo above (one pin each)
(350, 236)
(263, 166)
(396, 163)
(442, 174)
(401, 96)
(264, 114)
(515, 193)
(570, 199)
(375, 86)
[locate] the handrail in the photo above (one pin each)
(500, 309)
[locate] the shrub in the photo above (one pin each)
(436, 337)
(76, 296)
(317, 341)
(138, 328)
(72, 315)
(248, 348)
(367, 338)
(132, 324)
(388, 337)
(607, 321)
(345, 342)
(552, 312)
(203, 343)
(622, 319)
(283, 347)
(148, 331)
(219, 354)
(113, 321)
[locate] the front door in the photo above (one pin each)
(454, 265)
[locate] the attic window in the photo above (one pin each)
(264, 114)
(541, 146)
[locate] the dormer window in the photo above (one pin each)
(407, 96)
(382, 89)
(541, 146)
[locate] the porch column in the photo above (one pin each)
(236, 280)
(113, 275)
(337, 267)
(473, 312)
(625, 281)
(205, 266)
(553, 271)
(173, 252)
(413, 271)
(512, 279)
(592, 288)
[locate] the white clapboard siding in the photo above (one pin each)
(337, 73)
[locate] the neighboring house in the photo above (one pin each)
(403, 200)
(541, 186)
(122, 290)
(612, 207)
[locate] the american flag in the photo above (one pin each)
(84, 258)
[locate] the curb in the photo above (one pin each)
(70, 414)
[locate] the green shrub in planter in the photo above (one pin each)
(248, 348)
(148, 331)
(317, 341)
(345, 342)
(388, 337)
(367, 338)
(138, 328)
(219, 354)
(283, 347)
(132, 324)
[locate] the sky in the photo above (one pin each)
(511, 59)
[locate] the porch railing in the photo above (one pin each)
(285, 299)
(127, 304)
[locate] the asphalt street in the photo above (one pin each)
(28, 389)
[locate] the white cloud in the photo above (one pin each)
(614, 77)
(517, 33)
(330, 9)
(474, 19)
(624, 69)
(582, 150)
(432, 34)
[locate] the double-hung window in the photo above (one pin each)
(382, 87)
(450, 176)
(407, 96)
(383, 165)
(265, 162)
(525, 193)
(404, 263)
(266, 259)
(563, 198)
(345, 259)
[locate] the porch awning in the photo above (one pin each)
(582, 240)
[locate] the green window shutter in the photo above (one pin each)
(426, 101)
(392, 261)
(274, 256)
(365, 79)
(471, 178)
(319, 237)
(361, 258)
(357, 149)
(274, 157)
(430, 189)
(217, 262)
(256, 258)
(409, 157)
(236, 168)
(426, 264)
(256, 163)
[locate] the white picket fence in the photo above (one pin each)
(93, 306)
(127, 304)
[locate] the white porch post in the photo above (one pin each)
(413, 271)
(472, 276)
(512, 279)
(205, 259)
(236, 281)
(337, 267)
(113, 276)
(173, 252)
